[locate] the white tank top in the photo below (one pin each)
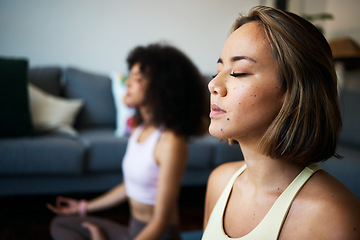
(270, 226)
(140, 169)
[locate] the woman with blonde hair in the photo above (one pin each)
(275, 94)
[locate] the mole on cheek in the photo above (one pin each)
(221, 129)
(228, 119)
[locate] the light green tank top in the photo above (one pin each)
(270, 226)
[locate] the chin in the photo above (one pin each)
(217, 132)
(128, 103)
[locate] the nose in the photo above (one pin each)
(217, 87)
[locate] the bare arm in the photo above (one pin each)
(109, 199)
(72, 206)
(171, 155)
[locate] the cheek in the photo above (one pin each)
(255, 106)
(135, 95)
(262, 104)
(142, 93)
(244, 98)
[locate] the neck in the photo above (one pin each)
(146, 116)
(265, 172)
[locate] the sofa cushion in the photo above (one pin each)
(51, 113)
(41, 155)
(346, 170)
(227, 153)
(58, 184)
(15, 119)
(46, 78)
(196, 177)
(349, 104)
(95, 91)
(201, 152)
(105, 151)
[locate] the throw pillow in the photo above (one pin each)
(15, 119)
(52, 114)
(48, 78)
(124, 113)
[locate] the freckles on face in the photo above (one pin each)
(247, 86)
(256, 108)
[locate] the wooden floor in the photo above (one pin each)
(26, 217)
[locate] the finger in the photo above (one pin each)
(52, 208)
(59, 201)
(60, 210)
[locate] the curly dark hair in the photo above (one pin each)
(176, 92)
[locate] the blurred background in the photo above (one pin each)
(97, 35)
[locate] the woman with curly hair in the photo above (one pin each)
(169, 95)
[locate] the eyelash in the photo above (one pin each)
(234, 75)
(238, 74)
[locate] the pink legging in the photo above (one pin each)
(69, 228)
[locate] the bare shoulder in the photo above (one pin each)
(327, 209)
(220, 176)
(217, 181)
(171, 141)
(171, 146)
(169, 138)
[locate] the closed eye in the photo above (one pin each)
(239, 74)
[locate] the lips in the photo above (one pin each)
(216, 111)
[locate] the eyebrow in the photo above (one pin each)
(237, 58)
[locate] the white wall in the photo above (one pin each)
(346, 19)
(97, 35)
(346, 15)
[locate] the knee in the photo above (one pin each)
(66, 227)
(58, 221)
(56, 225)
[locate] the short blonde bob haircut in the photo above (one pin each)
(307, 127)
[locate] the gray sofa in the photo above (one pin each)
(91, 161)
(347, 169)
(55, 163)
